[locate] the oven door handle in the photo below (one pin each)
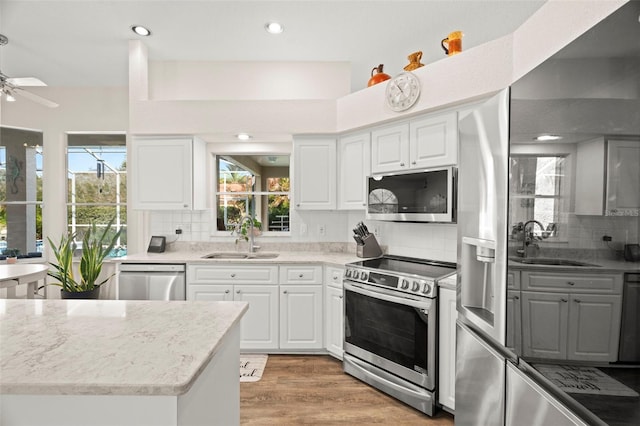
(420, 304)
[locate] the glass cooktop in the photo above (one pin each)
(406, 265)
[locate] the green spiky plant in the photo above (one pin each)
(96, 246)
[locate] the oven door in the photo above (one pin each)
(394, 333)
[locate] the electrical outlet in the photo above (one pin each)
(606, 238)
(322, 230)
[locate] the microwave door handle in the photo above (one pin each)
(426, 304)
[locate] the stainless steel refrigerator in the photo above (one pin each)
(585, 91)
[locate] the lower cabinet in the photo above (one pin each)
(259, 326)
(334, 312)
(447, 316)
(573, 326)
(301, 317)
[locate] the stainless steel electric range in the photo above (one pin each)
(391, 326)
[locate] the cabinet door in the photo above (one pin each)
(314, 181)
(259, 326)
(544, 324)
(594, 327)
(334, 321)
(433, 141)
(210, 292)
(163, 176)
(514, 321)
(390, 149)
(447, 317)
(354, 162)
(623, 177)
(301, 317)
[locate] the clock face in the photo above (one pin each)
(403, 91)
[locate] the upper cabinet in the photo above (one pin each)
(430, 141)
(608, 177)
(169, 173)
(354, 165)
(314, 182)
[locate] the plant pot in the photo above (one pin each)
(12, 260)
(89, 294)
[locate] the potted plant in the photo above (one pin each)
(244, 229)
(96, 246)
(12, 254)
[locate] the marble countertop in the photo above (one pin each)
(109, 347)
(600, 265)
(332, 258)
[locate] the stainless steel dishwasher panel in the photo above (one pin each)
(151, 282)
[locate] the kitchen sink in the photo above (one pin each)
(234, 255)
(550, 261)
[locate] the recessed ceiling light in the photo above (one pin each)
(273, 27)
(140, 30)
(243, 136)
(544, 138)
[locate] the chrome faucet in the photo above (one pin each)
(252, 247)
(526, 241)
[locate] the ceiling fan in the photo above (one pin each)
(10, 87)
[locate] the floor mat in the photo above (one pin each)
(252, 366)
(581, 379)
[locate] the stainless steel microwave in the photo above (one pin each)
(427, 195)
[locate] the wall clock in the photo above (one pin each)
(403, 91)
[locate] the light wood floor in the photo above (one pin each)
(313, 389)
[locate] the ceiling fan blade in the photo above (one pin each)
(35, 98)
(26, 81)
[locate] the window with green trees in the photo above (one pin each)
(97, 184)
(256, 185)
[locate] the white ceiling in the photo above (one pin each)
(85, 42)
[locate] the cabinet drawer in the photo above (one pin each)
(226, 274)
(548, 281)
(303, 274)
(333, 276)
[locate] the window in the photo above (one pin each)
(253, 185)
(96, 184)
(537, 192)
(20, 191)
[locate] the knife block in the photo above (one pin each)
(369, 247)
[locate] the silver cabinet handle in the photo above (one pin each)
(233, 275)
(298, 205)
(301, 275)
(227, 291)
(340, 297)
(284, 292)
(516, 298)
(401, 164)
(335, 277)
(563, 300)
(413, 162)
(571, 283)
(238, 291)
(577, 300)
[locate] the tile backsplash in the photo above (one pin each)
(420, 240)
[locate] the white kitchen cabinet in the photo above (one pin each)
(608, 177)
(334, 312)
(259, 326)
(301, 274)
(169, 173)
(354, 165)
(447, 316)
(314, 178)
(301, 316)
(426, 142)
(573, 326)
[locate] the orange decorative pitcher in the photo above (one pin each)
(453, 43)
(379, 75)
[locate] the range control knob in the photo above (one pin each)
(364, 276)
(356, 274)
(427, 288)
(415, 286)
(348, 273)
(404, 284)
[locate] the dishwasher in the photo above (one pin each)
(141, 281)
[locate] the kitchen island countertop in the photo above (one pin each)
(109, 347)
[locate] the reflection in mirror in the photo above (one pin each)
(256, 185)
